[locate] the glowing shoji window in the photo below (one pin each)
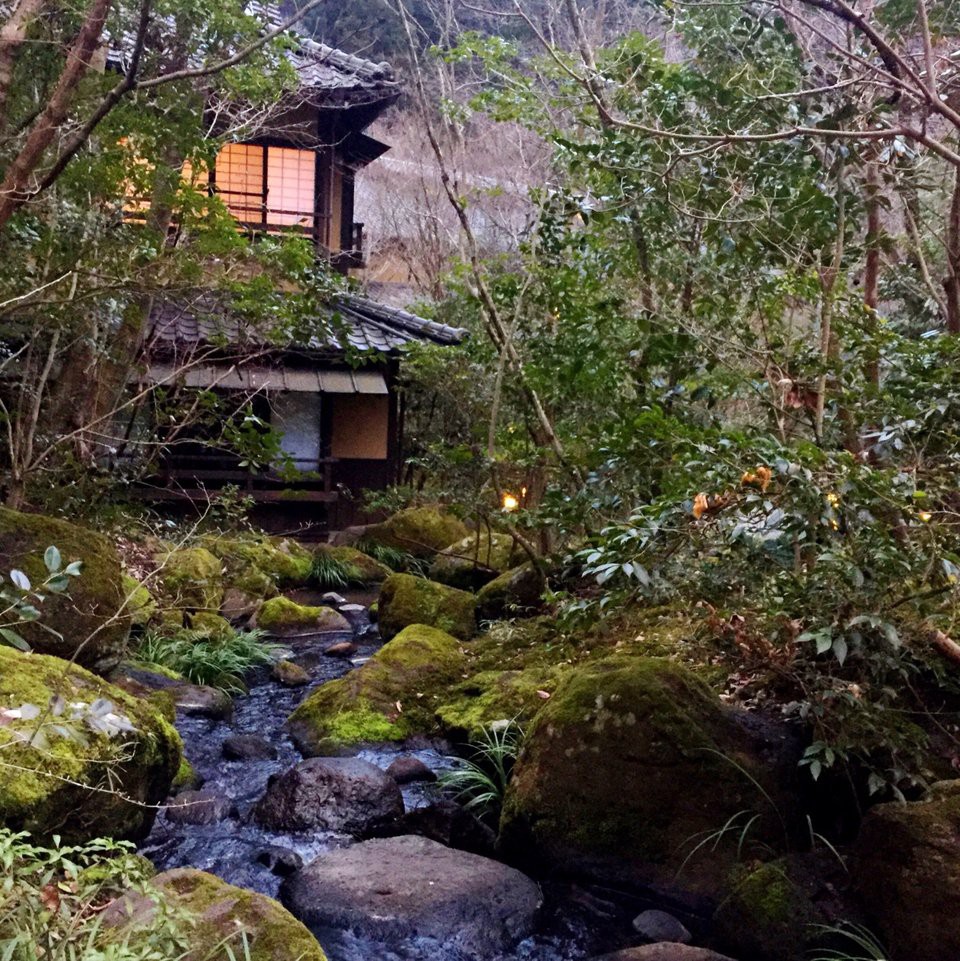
(240, 180)
(290, 186)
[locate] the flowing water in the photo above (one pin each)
(240, 851)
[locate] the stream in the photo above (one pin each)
(243, 853)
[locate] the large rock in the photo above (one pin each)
(94, 768)
(907, 873)
(627, 767)
(514, 593)
(420, 531)
(413, 899)
(282, 616)
(405, 600)
(342, 794)
(225, 922)
(664, 951)
(192, 579)
(389, 698)
(259, 565)
(88, 623)
(475, 560)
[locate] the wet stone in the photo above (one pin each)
(280, 861)
(406, 770)
(342, 794)
(199, 807)
(660, 926)
(413, 899)
(289, 674)
(342, 649)
(248, 747)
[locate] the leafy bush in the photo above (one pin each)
(480, 782)
(19, 598)
(203, 660)
(51, 902)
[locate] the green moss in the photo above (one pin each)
(186, 778)
(391, 697)
(282, 561)
(79, 787)
(369, 570)
(84, 622)
(282, 614)
(192, 579)
(225, 916)
(663, 756)
(212, 625)
(493, 696)
(140, 602)
(475, 560)
(253, 582)
(766, 916)
(516, 591)
(420, 531)
(405, 599)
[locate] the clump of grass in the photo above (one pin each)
(394, 558)
(216, 662)
(331, 572)
(864, 944)
(480, 782)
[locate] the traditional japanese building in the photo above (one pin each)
(332, 398)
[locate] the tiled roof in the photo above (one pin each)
(321, 69)
(357, 322)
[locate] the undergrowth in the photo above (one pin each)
(52, 901)
(203, 660)
(480, 782)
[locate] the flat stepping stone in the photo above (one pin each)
(414, 896)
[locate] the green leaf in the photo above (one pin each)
(52, 559)
(13, 639)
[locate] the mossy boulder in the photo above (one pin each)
(281, 615)
(89, 621)
(225, 922)
(514, 593)
(88, 783)
(211, 625)
(141, 604)
(420, 531)
(192, 579)
(389, 698)
(767, 915)
(475, 560)
(367, 569)
(630, 763)
(490, 696)
(259, 565)
(907, 874)
(405, 600)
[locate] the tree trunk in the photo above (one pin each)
(14, 191)
(951, 283)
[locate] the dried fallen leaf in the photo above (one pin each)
(544, 694)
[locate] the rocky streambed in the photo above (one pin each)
(352, 846)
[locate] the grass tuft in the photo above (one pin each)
(203, 660)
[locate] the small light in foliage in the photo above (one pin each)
(925, 516)
(510, 502)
